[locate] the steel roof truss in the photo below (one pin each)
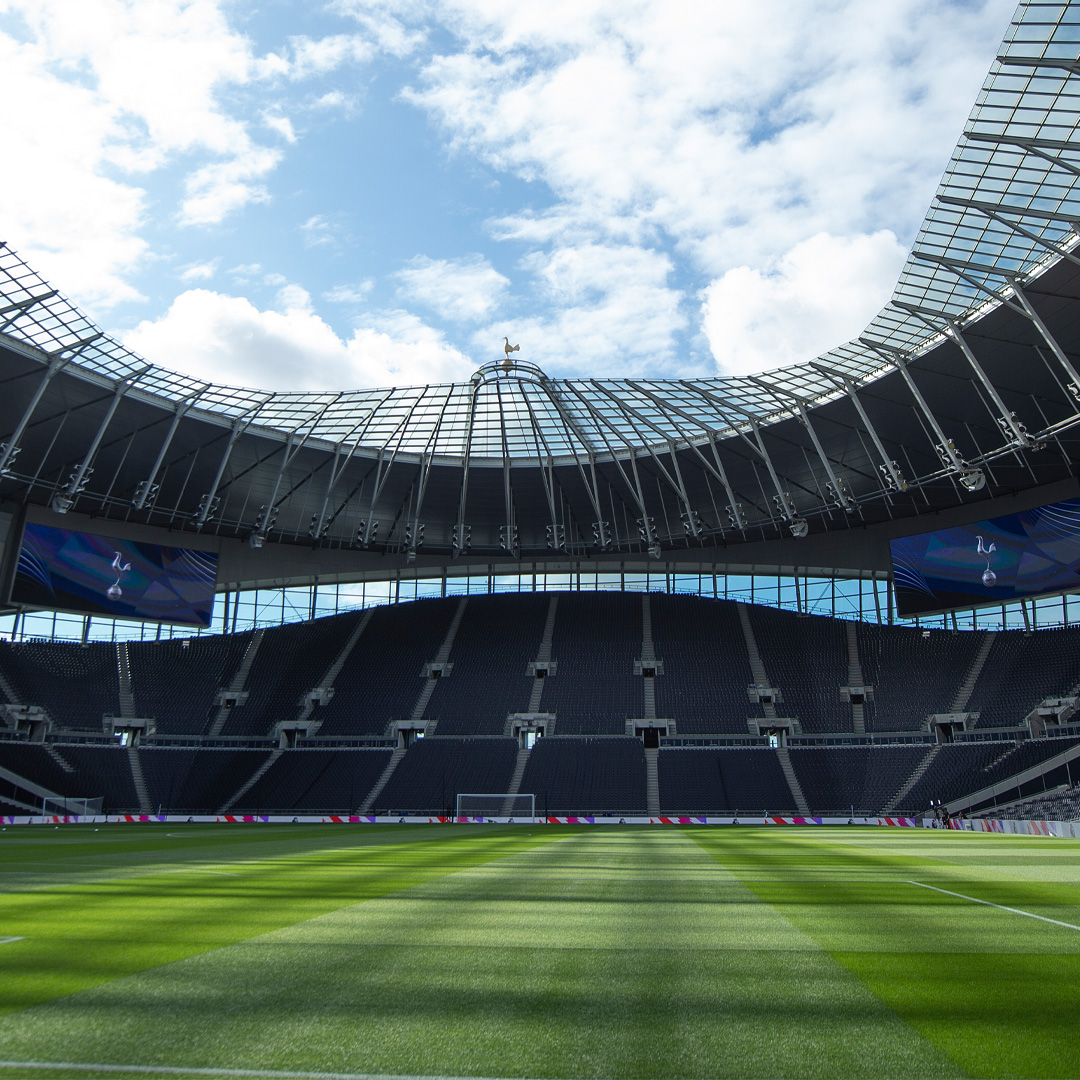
(1024, 307)
(1007, 420)
(840, 494)
(461, 540)
(735, 508)
(1001, 208)
(1039, 147)
(267, 516)
(782, 498)
(1055, 348)
(11, 448)
(889, 469)
(972, 478)
(508, 539)
(601, 528)
(557, 537)
(369, 527)
(20, 307)
(320, 522)
(147, 489)
(646, 524)
(690, 517)
(209, 500)
(64, 499)
(1060, 64)
(414, 532)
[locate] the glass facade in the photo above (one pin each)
(861, 599)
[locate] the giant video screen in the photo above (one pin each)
(991, 562)
(65, 570)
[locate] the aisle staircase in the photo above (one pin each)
(236, 686)
(652, 782)
(911, 781)
(441, 658)
(515, 781)
(855, 678)
(793, 781)
(251, 781)
(967, 687)
(332, 672)
(757, 666)
(543, 657)
(648, 657)
(123, 667)
(141, 790)
(384, 776)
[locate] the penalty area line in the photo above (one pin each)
(9, 940)
(1000, 907)
(186, 1070)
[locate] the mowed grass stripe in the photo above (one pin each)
(80, 1068)
(82, 933)
(994, 992)
(613, 953)
(1000, 907)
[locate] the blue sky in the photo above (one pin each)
(301, 195)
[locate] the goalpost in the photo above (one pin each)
(504, 805)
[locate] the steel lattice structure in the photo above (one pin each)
(964, 389)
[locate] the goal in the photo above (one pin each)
(504, 805)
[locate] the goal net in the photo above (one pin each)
(505, 805)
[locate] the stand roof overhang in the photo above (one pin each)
(964, 388)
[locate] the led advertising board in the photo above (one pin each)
(990, 562)
(65, 570)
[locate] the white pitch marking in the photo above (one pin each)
(1000, 907)
(9, 940)
(181, 1070)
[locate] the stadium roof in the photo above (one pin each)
(969, 370)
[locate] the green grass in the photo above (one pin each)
(490, 951)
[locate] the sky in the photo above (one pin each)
(302, 195)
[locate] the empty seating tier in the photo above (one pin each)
(1022, 669)
(597, 639)
(586, 776)
(383, 674)
(433, 772)
(310, 781)
(706, 666)
(695, 781)
(853, 780)
(588, 766)
(490, 679)
(176, 682)
(196, 781)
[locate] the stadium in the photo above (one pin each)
(405, 731)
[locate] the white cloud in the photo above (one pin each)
(463, 290)
(227, 339)
(350, 294)
(215, 191)
(199, 271)
(245, 271)
(317, 231)
(107, 89)
(332, 99)
(281, 124)
(725, 134)
(610, 311)
(318, 56)
(734, 129)
(819, 294)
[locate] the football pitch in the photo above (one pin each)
(537, 951)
